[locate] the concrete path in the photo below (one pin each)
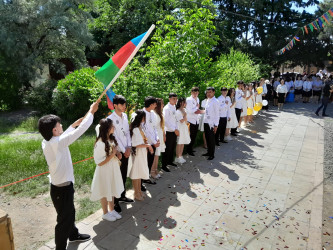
(264, 190)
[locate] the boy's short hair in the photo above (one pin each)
(195, 89)
(46, 125)
(241, 82)
(210, 88)
(118, 99)
(172, 95)
(149, 100)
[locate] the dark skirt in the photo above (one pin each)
(298, 91)
(317, 93)
(307, 93)
(281, 98)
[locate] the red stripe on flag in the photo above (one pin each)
(123, 54)
(110, 104)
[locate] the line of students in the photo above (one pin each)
(132, 150)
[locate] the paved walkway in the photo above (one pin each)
(263, 190)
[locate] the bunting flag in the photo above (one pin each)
(110, 71)
(319, 23)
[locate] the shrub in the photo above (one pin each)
(9, 90)
(40, 97)
(73, 95)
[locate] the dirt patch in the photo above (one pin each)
(33, 219)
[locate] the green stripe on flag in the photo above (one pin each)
(107, 72)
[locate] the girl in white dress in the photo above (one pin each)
(107, 182)
(138, 164)
(161, 134)
(243, 117)
(250, 101)
(233, 123)
(184, 135)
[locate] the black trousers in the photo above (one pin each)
(123, 170)
(63, 201)
(193, 134)
(324, 103)
(210, 139)
(238, 114)
(219, 136)
(170, 146)
(150, 158)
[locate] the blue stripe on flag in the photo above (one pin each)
(136, 40)
(110, 94)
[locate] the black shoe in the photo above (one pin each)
(143, 189)
(80, 238)
(217, 144)
(205, 154)
(224, 141)
(125, 199)
(325, 115)
(233, 134)
(165, 169)
(210, 158)
(117, 207)
(193, 151)
(316, 113)
(173, 164)
(149, 182)
(190, 153)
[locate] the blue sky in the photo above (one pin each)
(310, 9)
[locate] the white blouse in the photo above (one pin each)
(282, 89)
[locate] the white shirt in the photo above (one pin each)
(57, 154)
(192, 105)
(238, 98)
(307, 86)
(224, 108)
(212, 114)
(121, 131)
(289, 85)
(282, 89)
(298, 84)
(317, 85)
(149, 127)
(170, 122)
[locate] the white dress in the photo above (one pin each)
(161, 148)
(233, 123)
(107, 181)
(259, 98)
(244, 107)
(201, 116)
(138, 163)
(184, 134)
(250, 101)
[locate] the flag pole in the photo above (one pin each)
(152, 27)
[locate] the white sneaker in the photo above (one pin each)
(177, 160)
(182, 160)
(115, 214)
(228, 138)
(108, 217)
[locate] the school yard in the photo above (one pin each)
(264, 190)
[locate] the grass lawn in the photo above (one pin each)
(21, 156)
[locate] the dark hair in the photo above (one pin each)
(149, 100)
(229, 91)
(210, 88)
(195, 89)
(140, 114)
(179, 102)
(159, 110)
(118, 99)
(241, 82)
(46, 125)
(172, 95)
(105, 126)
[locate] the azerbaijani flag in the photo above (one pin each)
(111, 68)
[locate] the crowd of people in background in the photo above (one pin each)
(132, 149)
